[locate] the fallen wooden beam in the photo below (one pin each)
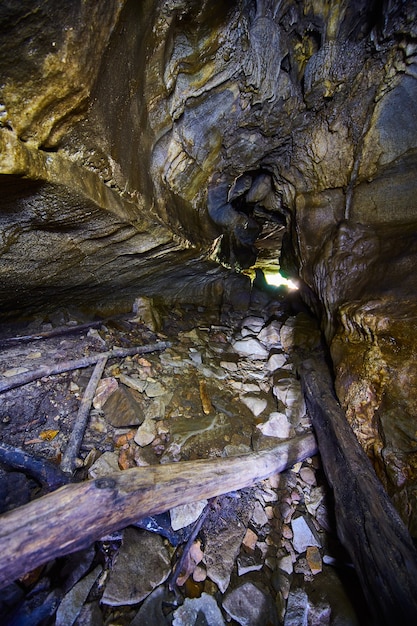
(76, 515)
(368, 525)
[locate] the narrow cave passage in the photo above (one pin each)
(158, 161)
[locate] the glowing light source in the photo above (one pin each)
(275, 279)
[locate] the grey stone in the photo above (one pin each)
(146, 432)
(297, 608)
(90, 615)
(73, 601)
(185, 514)
(285, 563)
(142, 564)
(154, 389)
(276, 361)
(133, 383)
(251, 348)
(249, 606)
(259, 517)
(151, 612)
(277, 425)
(156, 410)
(249, 562)
(198, 611)
(270, 335)
(288, 390)
(303, 537)
(107, 463)
(256, 405)
(223, 541)
(329, 591)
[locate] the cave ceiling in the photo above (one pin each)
(151, 147)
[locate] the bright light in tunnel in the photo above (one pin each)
(275, 279)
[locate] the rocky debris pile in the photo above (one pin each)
(226, 386)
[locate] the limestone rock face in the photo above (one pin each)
(144, 142)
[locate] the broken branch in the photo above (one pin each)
(75, 515)
(67, 366)
(77, 434)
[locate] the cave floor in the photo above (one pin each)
(225, 386)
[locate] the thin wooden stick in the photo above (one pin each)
(172, 579)
(75, 515)
(55, 332)
(77, 434)
(66, 366)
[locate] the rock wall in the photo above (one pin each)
(144, 142)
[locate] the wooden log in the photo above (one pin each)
(75, 515)
(18, 380)
(368, 525)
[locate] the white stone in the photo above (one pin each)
(230, 366)
(275, 362)
(276, 426)
(255, 324)
(285, 563)
(202, 610)
(107, 463)
(251, 348)
(256, 405)
(270, 335)
(146, 432)
(250, 388)
(288, 390)
(302, 535)
(185, 514)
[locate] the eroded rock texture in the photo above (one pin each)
(143, 141)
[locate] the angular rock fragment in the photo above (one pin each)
(250, 347)
(104, 390)
(122, 408)
(142, 564)
(303, 537)
(250, 606)
(146, 433)
(73, 601)
(270, 335)
(276, 426)
(196, 611)
(254, 404)
(185, 514)
(297, 608)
